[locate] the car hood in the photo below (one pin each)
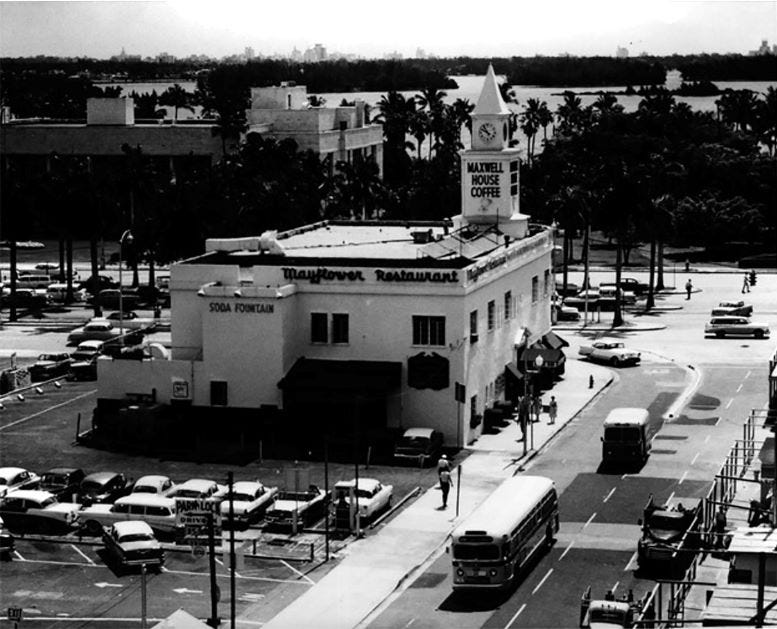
(288, 505)
(96, 508)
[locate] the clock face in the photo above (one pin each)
(487, 132)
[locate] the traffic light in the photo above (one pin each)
(752, 278)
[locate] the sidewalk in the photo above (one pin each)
(379, 564)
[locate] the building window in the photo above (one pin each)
(546, 285)
(339, 328)
(491, 315)
(318, 327)
(508, 305)
(535, 289)
(218, 393)
(428, 330)
(473, 326)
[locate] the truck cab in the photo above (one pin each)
(667, 529)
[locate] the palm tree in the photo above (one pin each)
(177, 98)
(394, 114)
(419, 124)
(570, 113)
(765, 120)
(544, 118)
(431, 100)
(606, 103)
(530, 124)
(462, 111)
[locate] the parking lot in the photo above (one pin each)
(68, 577)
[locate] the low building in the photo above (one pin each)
(346, 327)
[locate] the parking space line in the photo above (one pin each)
(80, 552)
(46, 410)
(293, 569)
(518, 613)
(539, 585)
(19, 555)
(226, 576)
(63, 563)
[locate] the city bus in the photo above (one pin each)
(500, 537)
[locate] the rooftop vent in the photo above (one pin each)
(422, 237)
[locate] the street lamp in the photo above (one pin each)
(126, 239)
(538, 362)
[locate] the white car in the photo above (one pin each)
(250, 500)
(34, 510)
(131, 321)
(95, 330)
(372, 496)
(13, 478)
(612, 352)
(733, 308)
(736, 326)
(304, 507)
(199, 489)
(153, 484)
(132, 543)
(159, 512)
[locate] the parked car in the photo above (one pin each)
(200, 488)
(132, 543)
(630, 284)
(57, 293)
(302, 507)
(607, 297)
(50, 366)
(566, 313)
(736, 326)
(373, 497)
(131, 321)
(109, 298)
(29, 510)
(572, 289)
(103, 487)
(23, 298)
(63, 482)
(7, 542)
(159, 512)
(733, 308)
(95, 284)
(13, 478)
(419, 445)
(585, 298)
(153, 484)
(611, 352)
(95, 330)
(250, 500)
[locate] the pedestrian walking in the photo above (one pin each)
(745, 284)
(552, 409)
(536, 408)
(445, 485)
(443, 465)
(524, 410)
(688, 288)
(720, 526)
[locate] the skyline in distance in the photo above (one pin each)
(181, 29)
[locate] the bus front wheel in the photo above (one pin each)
(549, 536)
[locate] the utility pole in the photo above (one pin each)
(143, 607)
(214, 620)
(231, 481)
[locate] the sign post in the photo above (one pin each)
(15, 614)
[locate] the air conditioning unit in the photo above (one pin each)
(422, 237)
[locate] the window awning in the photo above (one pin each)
(553, 341)
(512, 371)
(342, 375)
(551, 357)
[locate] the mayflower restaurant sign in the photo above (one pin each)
(322, 274)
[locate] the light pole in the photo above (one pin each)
(126, 239)
(538, 362)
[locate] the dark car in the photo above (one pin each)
(419, 445)
(7, 542)
(103, 487)
(50, 366)
(63, 482)
(95, 285)
(23, 298)
(109, 298)
(85, 369)
(132, 543)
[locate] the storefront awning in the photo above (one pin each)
(551, 357)
(512, 371)
(342, 375)
(554, 341)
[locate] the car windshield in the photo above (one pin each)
(666, 522)
(48, 502)
(416, 442)
(621, 433)
(52, 357)
(136, 537)
(3, 481)
(54, 479)
(91, 485)
(144, 489)
(242, 497)
(189, 493)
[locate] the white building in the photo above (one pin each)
(367, 324)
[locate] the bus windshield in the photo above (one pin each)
(622, 433)
(475, 551)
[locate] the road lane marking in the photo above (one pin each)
(632, 559)
(623, 476)
(747, 375)
(739, 388)
(539, 585)
(694, 458)
(226, 576)
(409, 622)
(729, 402)
(46, 410)
(19, 555)
(683, 477)
(707, 438)
(89, 619)
(566, 550)
(668, 500)
(80, 552)
(518, 613)
(717, 421)
(615, 587)
(293, 569)
(607, 497)
(593, 515)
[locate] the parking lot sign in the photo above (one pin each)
(15, 614)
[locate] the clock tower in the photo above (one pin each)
(490, 169)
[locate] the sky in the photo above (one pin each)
(495, 28)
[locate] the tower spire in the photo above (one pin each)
(490, 100)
